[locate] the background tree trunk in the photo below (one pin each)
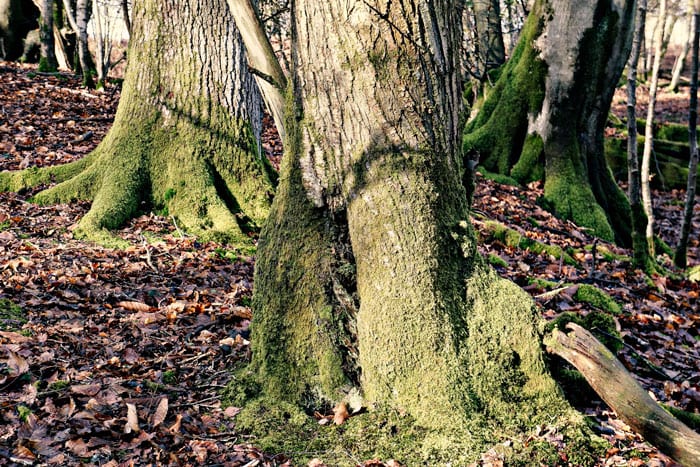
(47, 61)
(640, 246)
(17, 18)
(680, 256)
(679, 64)
(185, 137)
(647, 202)
(492, 52)
(367, 274)
(546, 115)
(78, 18)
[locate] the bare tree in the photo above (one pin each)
(680, 256)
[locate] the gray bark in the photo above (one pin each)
(47, 62)
(488, 24)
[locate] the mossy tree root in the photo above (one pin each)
(622, 393)
(215, 187)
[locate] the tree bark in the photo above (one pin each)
(17, 18)
(185, 140)
(680, 59)
(680, 256)
(47, 61)
(624, 395)
(640, 246)
(492, 52)
(367, 274)
(647, 202)
(545, 117)
(78, 19)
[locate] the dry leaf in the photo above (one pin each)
(340, 413)
(175, 427)
(161, 412)
(132, 419)
(136, 306)
(316, 463)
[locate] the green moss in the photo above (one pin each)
(600, 324)
(692, 420)
(498, 178)
(513, 238)
(694, 273)
(59, 385)
(594, 296)
(497, 261)
(497, 134)
(543, 283)
(11, 316)
(45, 66)
(23, 412)
(530, 165)
(606, 253)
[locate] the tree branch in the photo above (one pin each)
(262, 59)
(624, 395)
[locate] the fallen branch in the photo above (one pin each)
(624, 395)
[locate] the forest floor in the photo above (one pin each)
(118, 356)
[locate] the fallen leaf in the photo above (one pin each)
(132, 419)
(340, 413)
(161, 412)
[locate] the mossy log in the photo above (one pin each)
(624, 395)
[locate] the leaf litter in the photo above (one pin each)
(125, 351)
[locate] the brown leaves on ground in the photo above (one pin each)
(125, 352)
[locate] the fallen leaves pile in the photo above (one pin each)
(119, 356)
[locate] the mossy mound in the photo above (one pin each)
(282, 428)
(512, 238)
(11, 316)
(599, 299)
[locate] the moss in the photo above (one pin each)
(692, 420)
(497, 134)
(515, 239)
(498, 178)
(594, 296)
(694, 273)
(530, 165)
(543, 283)
(568, 190)
(11, 316)
(497, 261)
(600, 324)
(607, 254)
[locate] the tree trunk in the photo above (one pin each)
(680, 60)
(17, 18)
(545, 117)
(642, 259)
(103, 46)
(680, 256)
(367, 275)
(185, 137)
(47, 61)
(492, 52)
(78, 20)
(647, 202)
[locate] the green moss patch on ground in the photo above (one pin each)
(11, 316)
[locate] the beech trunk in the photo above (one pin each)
(185, 138)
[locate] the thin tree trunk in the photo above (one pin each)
(639, 219)
(101, 55)
(649, 128)
(680, 60)
(125, 15)
(47, 61)
(680, 257)
(78, 20)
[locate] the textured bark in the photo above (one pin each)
(546, 115)
(47, 61)
(78, 21)
(680, 256)
(185, 137)
(488, 25)
(680, 59)
(608, 377)
(647, 202)
(17, 18)
(640, 246)
(367, 274)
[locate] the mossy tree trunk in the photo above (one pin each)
(367, 276)
(185, 137)
(47, 60)
(545, 116)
